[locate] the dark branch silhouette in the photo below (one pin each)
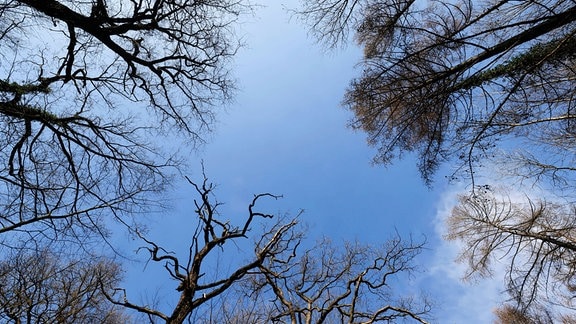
(534, 239)
(277, 280)
(46, 287)
(452, 81)
(84, 88)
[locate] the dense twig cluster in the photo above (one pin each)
(279, 282)
(77, 84)
(450, 80)
(478, 84)
(535, 240)
(43, 287)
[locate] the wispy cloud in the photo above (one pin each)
(458, 301)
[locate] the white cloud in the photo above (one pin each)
(458, 301)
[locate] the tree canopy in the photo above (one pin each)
(86, 88)
(45, 286)
(533, 239)
(84, 85)
(477, 84)
(280, 277)
(449, 80)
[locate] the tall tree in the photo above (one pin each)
(451, 79)
(212, 235)
(43, 287)
(477, 84)
(353, 283)
(508, 314)
(275, 281)
(84, 85)
(535, 240)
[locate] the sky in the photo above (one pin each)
(286, 134)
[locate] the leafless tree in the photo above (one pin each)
(535, 240)
(475, 83)
(213, 234)
(452, 80)
(85, 86)
(328, 283)
(351, 283)
(42, 287)
(508, 314)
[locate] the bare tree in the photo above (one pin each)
(508, 314)
(42, 287)
(535, 240)
(451, 80)
(475, 83)
(329, 283)
(212, 234)
(84, 85)
(273, 284)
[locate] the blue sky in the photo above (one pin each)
(285, 133)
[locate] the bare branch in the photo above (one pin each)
(75, 142)
(536, 240)
(450, 81)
